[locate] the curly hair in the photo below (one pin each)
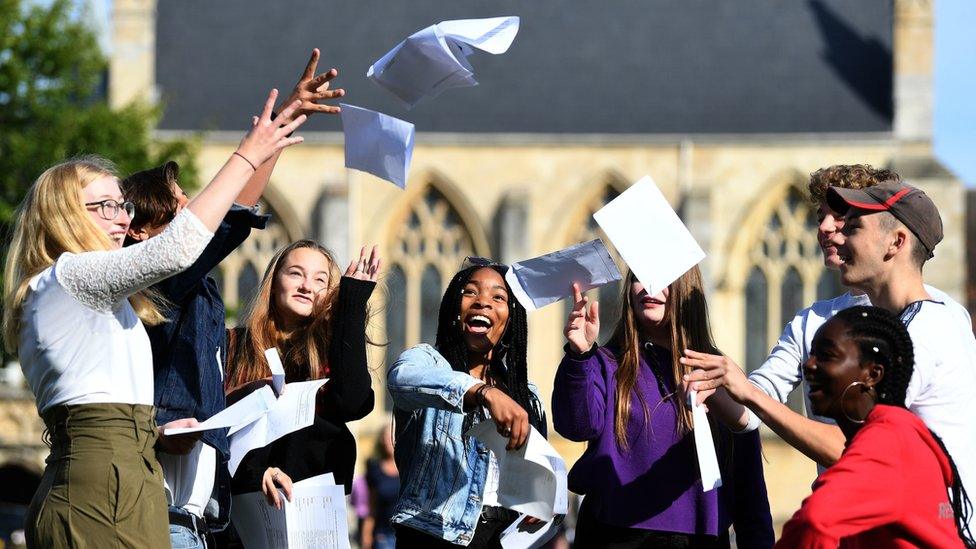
(883, 339)
(847, 176)
(509, 366)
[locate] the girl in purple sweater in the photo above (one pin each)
(639, 474)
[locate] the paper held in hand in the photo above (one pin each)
(711, 477)
(546, 279)
(315, 517)
(435, 59)
(277, 370)
(378, 144)
(294, 410)
(532, 479)
(649, 236)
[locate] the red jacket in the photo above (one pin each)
(889, 489)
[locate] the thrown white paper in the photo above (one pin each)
(434, 59)
(315, 517)
(523, 536)
(546, 279)
(704, 445)
(277, 369)
(235, 416)
(649, 235)
(377, 143)
(294, 410)
(532, 479)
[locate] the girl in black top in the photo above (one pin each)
(317, 321)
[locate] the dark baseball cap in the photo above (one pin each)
(908, 204)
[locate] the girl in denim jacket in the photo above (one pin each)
(476, 370)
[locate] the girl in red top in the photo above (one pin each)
(891, 486)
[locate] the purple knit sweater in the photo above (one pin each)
(656, 484)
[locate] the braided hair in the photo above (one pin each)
(508, 369)
(883, 338)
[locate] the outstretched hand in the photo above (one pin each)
(267, 136)
(365, 268)
(709, 372)
(312, 88)
(583, 325)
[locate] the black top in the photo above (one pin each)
(615, 66)
(327, 446)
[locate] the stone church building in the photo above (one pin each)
(727, 105)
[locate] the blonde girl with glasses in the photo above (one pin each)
(74, 308)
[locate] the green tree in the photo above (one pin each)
(53, 107)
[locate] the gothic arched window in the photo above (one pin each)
(426, 251)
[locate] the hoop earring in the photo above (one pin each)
(843, 396)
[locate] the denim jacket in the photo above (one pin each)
(189, 349)
(442, 472)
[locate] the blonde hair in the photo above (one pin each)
(304, 352)
(686, 313)
(51, 221)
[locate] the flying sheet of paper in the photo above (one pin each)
(277, 369)
(377, 143)
(532, 479)
(235, 416)
(315, 517)
(546, 279)
(434, 59)
(294, 410)
(704, 445)
(523, 536)
(649, 235)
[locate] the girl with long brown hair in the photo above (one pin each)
(639, 474)
(317, 321)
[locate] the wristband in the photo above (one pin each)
(255, 168)
(479, 395)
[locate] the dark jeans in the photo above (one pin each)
(486, 533)
(591, 533)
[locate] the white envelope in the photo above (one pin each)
(434, 59)
(546, 279)
(377, 143)
(649, 235)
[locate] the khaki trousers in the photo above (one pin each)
(102, 486)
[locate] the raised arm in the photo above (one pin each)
(579, 391)
(349, 394)
(101, 279)
(265, 138)
(310, 90)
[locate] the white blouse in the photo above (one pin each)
(80, 339)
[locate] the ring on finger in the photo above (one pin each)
(507, 431)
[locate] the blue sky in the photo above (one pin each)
(955, 82)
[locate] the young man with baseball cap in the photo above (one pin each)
(889, 231)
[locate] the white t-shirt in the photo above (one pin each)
(189, 479)
(80, 340)
(783, 369)
(942, 390)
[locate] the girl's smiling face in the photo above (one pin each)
(484, 310)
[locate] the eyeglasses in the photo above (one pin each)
(476, 261)
(109, 209)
